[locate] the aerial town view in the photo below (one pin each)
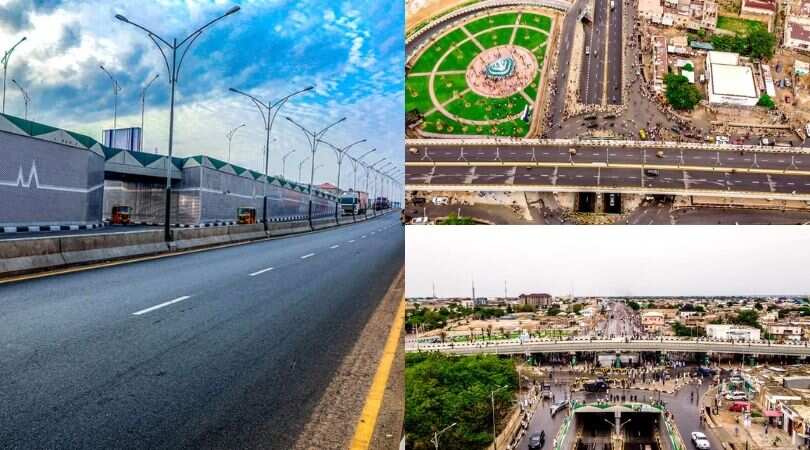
(532, 356)
(607, 112)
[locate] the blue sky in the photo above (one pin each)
(352, 52)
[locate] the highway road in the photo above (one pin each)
(225, 348)
(614, 53)
(767, 158)
(603, 179)
(564, 61)
(592, 76)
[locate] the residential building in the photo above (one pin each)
(732, 332)
(540, 300)
(652, 321)
(731, 82)
(762, 7)
(660, 62)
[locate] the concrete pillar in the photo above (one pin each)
(618, 421)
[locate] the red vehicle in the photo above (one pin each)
(739, 407)
(120, 215)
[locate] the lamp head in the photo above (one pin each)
(233, 10)
(121, 18)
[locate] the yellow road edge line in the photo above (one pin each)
(563, 165)
(371, 409)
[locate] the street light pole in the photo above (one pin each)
(116, 90)
(339, 154)
(26, 98)
(4, 61)
(284, 163)
(300, 165)
(143, 103)
(229, 135)
(373, 190)
(439, 433)
(173, 70)
(494, 433)
(358, 161)
(314, 137)
(268, 119)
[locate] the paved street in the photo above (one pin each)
(564, 61)
(675, 182)
(227, 348)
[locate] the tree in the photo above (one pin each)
(761, 43)
(688, 67)
(633, 305)
(766, 101)
(680, 93)
(553, 311)
(441, 389)
(748, 317)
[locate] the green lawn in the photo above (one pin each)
(461, 57)
(494, 38)
(484, 23)
(475, 107)
(448, 85)
(472, 106)
(416, 94)
(529, 38)
(536, 20)
(739, 25)
(431, 56)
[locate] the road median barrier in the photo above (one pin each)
(326, 222)
(283, 228)
(25, 255)
(239, 233)
(81, 249)
(199, 237)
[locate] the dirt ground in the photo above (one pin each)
(417, 11)
(333, 422)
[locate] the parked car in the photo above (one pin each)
(737, 395)
(700, 440)
(739, 407)
(438, 201)
(537, 440)
(558, 406)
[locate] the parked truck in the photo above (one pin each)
(381, 203)
(353, 203)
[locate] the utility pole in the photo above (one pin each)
(173, 70)
(4, 61)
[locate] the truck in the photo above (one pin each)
(381, 203)
(353, 203)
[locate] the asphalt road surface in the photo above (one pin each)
(601, 178)
(592, 77)
(614, 54)
(227, 348)
(564, 61)
(770, 160)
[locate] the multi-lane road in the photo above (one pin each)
(225, 348)
(601, 75)
(623, 168)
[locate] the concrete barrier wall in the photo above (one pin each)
(102, 247)
(21, 255)
(18, 256)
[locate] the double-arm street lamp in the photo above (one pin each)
(284, 163)
(358, 161)
(173, 70)
(373, 195)
(26, 98)
(116, 90)
(229, 135)
(272, 108)
(143, 103)
(4, 61)
(314, 138)
(340, 152)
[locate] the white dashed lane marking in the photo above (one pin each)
(259, 272)
(334, 246)
(170, 302)
(308, 255)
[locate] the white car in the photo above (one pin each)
(700, 440)
(438, 201)
(420, 221)
(558, 406)
(721, 140)
(736, 396)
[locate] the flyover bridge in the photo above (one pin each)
(641, 167)
(518, 346)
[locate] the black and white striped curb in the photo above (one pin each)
(47, 228)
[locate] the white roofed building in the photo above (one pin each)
(730, 82)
